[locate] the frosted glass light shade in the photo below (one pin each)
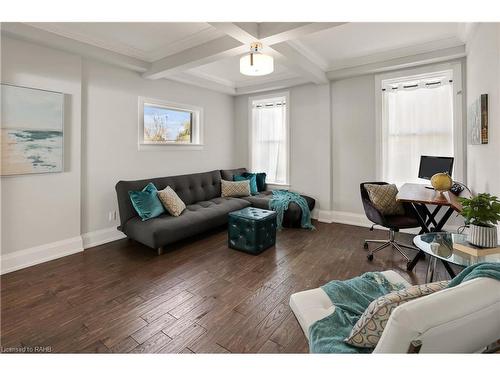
(256, 64)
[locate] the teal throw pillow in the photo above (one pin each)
(253, 182)
(146, 202)
(261, 180)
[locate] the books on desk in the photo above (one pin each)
(476, 251)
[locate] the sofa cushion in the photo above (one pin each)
(260, 200)
(195, 219)
(190, 188)
(228, 174)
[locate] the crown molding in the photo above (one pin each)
(121, 48)
(262, 80)
(49, 39)
(446, 54)
(412, 50)
(212, 77)
(189, 79)
(274, 85)
(205, 35)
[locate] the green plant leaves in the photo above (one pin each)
(482, 210)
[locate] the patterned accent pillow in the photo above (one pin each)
(235, 188)
(171, 201)
(368, 329)
(383, 198)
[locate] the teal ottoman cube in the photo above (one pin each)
(252, 230)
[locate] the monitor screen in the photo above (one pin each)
(430, 165)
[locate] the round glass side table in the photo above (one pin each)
(439, 245)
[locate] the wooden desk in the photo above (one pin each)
(420, 196)
(417, 193)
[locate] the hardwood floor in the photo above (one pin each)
(199, 297)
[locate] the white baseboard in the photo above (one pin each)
(40, 254)
(101, 236)
(361, 220)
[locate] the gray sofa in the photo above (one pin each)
(205, 208)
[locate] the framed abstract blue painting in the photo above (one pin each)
(32, 130)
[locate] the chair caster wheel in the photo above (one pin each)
(365, 245)
(369, 257)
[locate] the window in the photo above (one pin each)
(164, 123)
(417, 118)
(269, 138)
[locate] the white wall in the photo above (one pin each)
(44, 208)
(309, 140)
(483, 77)
(353, 140)
(110, 136)
(45, 216)
(344, 147)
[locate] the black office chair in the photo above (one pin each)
(393, 222)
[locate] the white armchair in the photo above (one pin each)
(463, 319)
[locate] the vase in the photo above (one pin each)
(483, 236)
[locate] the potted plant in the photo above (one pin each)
(481, 213)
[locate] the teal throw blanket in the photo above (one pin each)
(280, 201)
(351, 298)
(491, 270)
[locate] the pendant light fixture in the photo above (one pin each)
(256, 63)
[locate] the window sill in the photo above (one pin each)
(170, 147)
(277, 185)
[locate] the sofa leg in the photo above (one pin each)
(159, 250)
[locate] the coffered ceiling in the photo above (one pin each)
(207, 54)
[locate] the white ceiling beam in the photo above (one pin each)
(270, 33)
(277, 32)
(267, 29)
(46, 38)
(237, 40)
(206, 53)
(246, 33)
(276, 44)
(287, 55)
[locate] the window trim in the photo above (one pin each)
(459, 133)
(197, 126)
(251, 99)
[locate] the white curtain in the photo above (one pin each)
(415, 122)
(269, 140)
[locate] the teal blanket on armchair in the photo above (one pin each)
(351, 298)
(279, 203)
(485, 269)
